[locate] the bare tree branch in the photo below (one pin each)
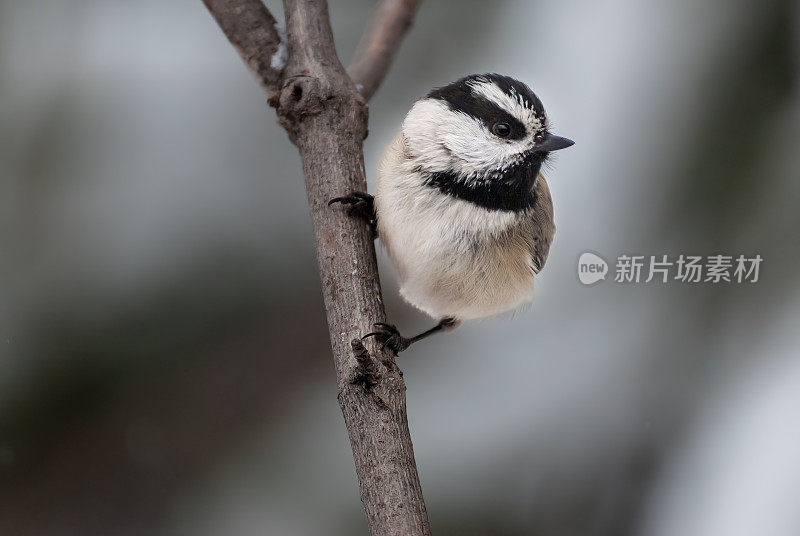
(326, 118)
(380, 42)
(253, 32)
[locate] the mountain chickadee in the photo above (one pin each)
(465, 214)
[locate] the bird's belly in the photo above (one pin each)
(466, 296)
(447, 269)
(467, 288)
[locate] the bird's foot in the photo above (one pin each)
(360, 205)
(389, 337)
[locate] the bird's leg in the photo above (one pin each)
(391, 338)
(361, 205)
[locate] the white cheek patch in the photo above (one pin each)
(419, 129)
(443, 140)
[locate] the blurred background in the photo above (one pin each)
(164, 362)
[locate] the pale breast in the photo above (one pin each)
(453, 258)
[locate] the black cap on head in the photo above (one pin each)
(460, 96)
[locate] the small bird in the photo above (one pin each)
(461, 205)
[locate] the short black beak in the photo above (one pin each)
(553, 143)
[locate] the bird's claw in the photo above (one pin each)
(389, 337)
(361, 205)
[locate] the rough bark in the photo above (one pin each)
(326, 118)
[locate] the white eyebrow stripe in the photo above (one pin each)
(511, 104)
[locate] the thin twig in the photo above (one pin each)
(254, 33)
(390, 22)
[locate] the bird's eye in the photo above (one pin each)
(540, 137)
(501, 129)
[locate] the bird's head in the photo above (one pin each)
(480, 129)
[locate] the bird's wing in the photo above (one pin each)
(542, 225)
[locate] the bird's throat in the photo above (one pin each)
(508, 189)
